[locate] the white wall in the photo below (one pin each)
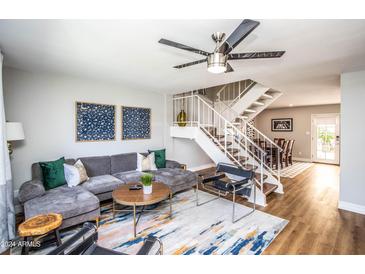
(301, 125)
(352, 178)
(45, 104)
(183, 150)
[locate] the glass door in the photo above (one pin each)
(325, 138)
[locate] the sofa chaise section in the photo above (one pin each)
(76, 205)
(176, 179)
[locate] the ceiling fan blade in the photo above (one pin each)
(183, 47)
(229, 68)
(240, 33)
(255, 55)
(190, 64)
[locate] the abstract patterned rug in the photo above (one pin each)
(206, 229)
(295, 169)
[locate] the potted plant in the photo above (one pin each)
(146, 180)
(326, 140)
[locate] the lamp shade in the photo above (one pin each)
(14, 131)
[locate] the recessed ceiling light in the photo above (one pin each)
(290, 105)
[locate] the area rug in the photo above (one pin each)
(204, 230)
(295, 169)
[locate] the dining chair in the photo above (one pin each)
(279, 141)
(284, 154)
(290, 152)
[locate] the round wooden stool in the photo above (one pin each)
(39, 226)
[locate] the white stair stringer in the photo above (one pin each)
(217, 156)
(267, 102)
(251, 96)
(252, 103)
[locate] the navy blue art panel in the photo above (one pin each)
(95, 122)
(136, 123)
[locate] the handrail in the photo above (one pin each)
(241, 93)
(204, 98)
(220, 91)
(234, 127)
(239, 116)
(251, 126)
(263, 135)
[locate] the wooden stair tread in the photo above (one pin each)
(229, 143)
(269, 188)
(249, 110)
(243, 159)
(248, 166)
(231, 150)
(240, 159)
(258, 176)
(267, 96)
(258, 103)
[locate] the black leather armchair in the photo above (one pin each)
(84, 243)
(237, 181)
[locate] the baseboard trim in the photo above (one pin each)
(302, 159)
(351, 207)
(197, 168)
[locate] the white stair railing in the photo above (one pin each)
(229, 138)
(231, 93)
(273, 161)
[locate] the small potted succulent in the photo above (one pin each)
(146, 180)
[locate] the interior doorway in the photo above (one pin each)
(326, 138)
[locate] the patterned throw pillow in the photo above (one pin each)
(146, 163)
(75, 174)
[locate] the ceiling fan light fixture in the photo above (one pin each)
(217, 63)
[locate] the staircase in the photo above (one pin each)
(245, 100)
(227, 141)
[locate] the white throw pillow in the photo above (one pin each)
(146, 163)
(75, 174)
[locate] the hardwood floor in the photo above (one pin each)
(316, 225)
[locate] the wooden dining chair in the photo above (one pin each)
(279, 141)
(284, 154)
(271, 159)
(290, 152)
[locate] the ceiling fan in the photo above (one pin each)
(217, 60)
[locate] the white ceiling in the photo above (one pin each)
(127, 52)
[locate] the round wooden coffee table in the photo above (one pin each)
(135, 198)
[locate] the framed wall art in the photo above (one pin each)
(95, 122)
(136, 123)
(282, 124)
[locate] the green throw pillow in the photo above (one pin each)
(53, 173)
(160, 157)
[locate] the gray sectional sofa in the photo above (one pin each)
(82, 203)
